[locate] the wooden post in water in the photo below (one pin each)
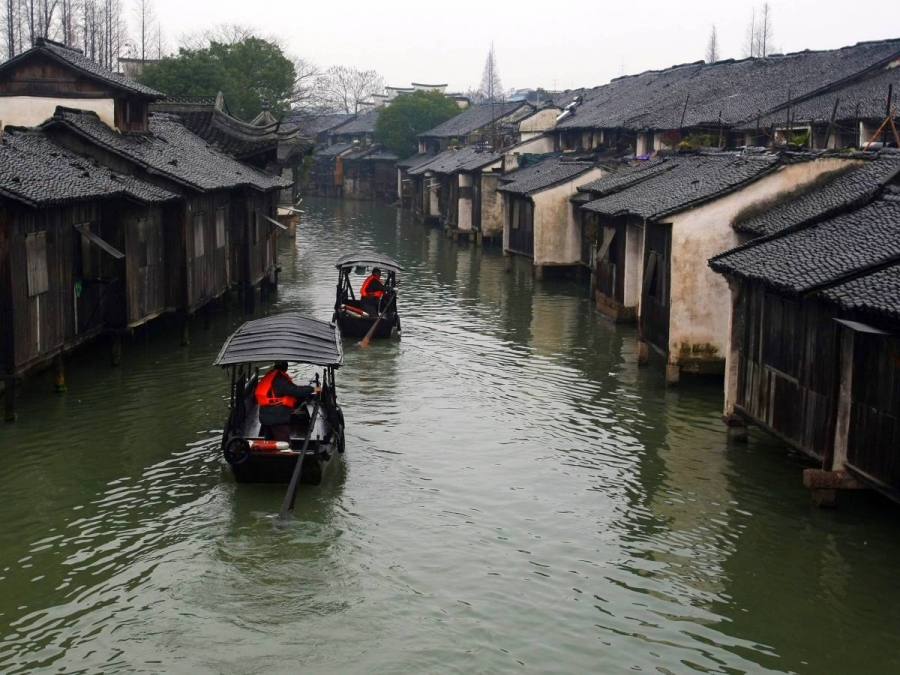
(507, 261)
(643, 353)
(115, 350)
(186, 331)
(9, 400)
(59, 367)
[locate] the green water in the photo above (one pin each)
(517, 497)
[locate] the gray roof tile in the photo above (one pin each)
(691, 180)
(855, 185)
(877, 293)
(546, 175)
(170, 150)
(39, 172)
(804, 260)
(472, 119)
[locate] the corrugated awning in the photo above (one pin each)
(271, 220)
(364, 259)
(94, 239)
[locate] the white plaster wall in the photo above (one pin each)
(634, 262)
(432, 200)
(504, 215)
(538, 144)
(465, 203)
(700, 301)
(492, 214)
(557, 234)
(540, 121)
(29, 111)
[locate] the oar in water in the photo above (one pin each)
(368, 338)
(288, 504)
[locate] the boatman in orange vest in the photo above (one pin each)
(372, 286)
(277, 396)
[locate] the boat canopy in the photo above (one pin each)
(289, 337)
(365, 259)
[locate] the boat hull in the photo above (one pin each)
(358, 327)
(275, 467)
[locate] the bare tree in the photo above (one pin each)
(10, 26)
(750, 36)
(491, 87)
(223, 33)
(146, 25)
(764, 32)
(712, 47)
(306, 75)
(342, 88)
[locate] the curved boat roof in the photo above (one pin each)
(368, 259)
(291, 337)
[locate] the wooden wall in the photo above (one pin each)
(656, 286)
(205, 256)
(788, 367)
(873, 445)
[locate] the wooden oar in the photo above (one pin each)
(368, 338)
(288, 504)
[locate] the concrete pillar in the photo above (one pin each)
(732, 348)
(643, 353)
(59, 368)
(537, 271)
(9, 400)
(479, 238)
(673, 374)
(115, 350)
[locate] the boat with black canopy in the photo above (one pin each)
(356, 316)
(316, 425)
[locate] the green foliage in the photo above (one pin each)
(800, 138)
(696, 140)
(247, 72)
(411, 114)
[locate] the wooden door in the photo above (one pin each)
(655, 291)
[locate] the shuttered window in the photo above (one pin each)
(220, 227)
(36, 253)
(199, 226)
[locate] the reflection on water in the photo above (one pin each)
(517, 495)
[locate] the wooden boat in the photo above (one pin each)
(298, 339)
(356, 316)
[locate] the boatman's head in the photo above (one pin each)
(281, 365)
(376, 272)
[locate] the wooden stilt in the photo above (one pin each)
(115, 351)
(9, 400)
(507, 262)
(186, 331)
(643, 353)
(207, 316)
(59, 367)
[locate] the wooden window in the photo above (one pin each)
(782, 339)
(199, 227)
(220, 227)
(655, 277)
(36, 253)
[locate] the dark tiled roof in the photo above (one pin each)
(307, 124)
(532, 168)
(846, 188)
(479, 160)
(628, 176)
(472, 119)
(692, 180)
(553, 172)
(360, 124)
(806, 259)
(170, 150)
(334, 150)
(863, 99)
(738, 90)
(415, 160)
(877, 293)
(207, 118)
(77, 60)
(380, 154)
(38, 172)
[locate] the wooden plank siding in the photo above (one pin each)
(873, 445)
(206, 262)
(521, 224)
(656, 286)
(786, 370)
(44, 77)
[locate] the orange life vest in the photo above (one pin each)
(364, 291)
(265, 393)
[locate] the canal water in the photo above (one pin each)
(517, 496)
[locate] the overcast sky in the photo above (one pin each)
(555, 43)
